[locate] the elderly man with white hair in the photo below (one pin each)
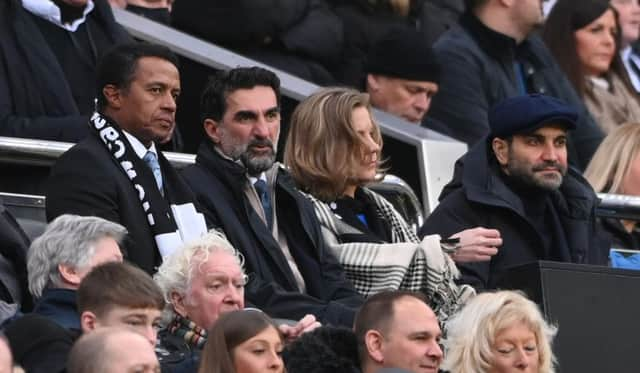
(59, 259)
(201, 281)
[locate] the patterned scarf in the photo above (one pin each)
(194, 335)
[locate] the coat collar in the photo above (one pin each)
(479, 175)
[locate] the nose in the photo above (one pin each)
(169, 102)
(261, 128)
(435, 352)
(372, 145)
(522, 359)
(234, 296)
(151, 334)
(422, 102)
(550, 153)
(275, 361)
(609, 39)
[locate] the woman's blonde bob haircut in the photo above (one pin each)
(323, 151)
(471, 333)
(612, 162)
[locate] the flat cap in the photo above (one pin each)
(406, 54)
(525, 114)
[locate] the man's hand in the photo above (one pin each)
(477, 245)
(306, 324)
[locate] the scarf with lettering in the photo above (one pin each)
(156, 208)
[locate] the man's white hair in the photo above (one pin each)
(176, 272)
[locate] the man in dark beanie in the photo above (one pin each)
(517, 181)
(402, 74)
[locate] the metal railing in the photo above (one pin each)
(435, 153)
(44, 153)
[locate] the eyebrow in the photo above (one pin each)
(254, 113)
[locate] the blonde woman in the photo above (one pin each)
(499, 332)
(615, 168)
(333, 151)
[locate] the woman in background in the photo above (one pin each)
(333, 151)
(584, 37)
(499, 332)
(615, 168)
(245, 341)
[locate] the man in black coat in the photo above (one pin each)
(48, 64)
(518, 181)
(253, 200)
(492, 54)
(117, 173)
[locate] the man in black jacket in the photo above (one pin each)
(518, 181)
(243, 191)
(492, 54)
(117, 173)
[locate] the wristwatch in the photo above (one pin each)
(450, 245)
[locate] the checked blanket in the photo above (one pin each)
(406, 263)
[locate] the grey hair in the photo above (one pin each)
(69, 240)
(176, 272)
(471, 332)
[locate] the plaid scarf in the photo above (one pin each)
(194, 335)
(406, 263)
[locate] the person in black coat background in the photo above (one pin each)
(301, 37)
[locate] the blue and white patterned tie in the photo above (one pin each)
(265, 199)
(151, 159)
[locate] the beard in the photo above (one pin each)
(532, 176)
(255, 162)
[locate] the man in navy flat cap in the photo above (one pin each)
(518, 181)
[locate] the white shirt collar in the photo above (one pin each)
(263, 177)
(138, 147)
(49, 11)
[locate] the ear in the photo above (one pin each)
(501, 150)
(373, 341)
(112, 95)
(372, 82)
(88, 321)
(69, 274)
(212, 128)
(178, 303)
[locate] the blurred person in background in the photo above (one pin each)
(495, 53)
(615, 168)
(584, 36)
(629, 20)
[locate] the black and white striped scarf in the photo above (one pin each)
(156, 208)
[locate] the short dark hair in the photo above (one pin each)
(377, 313)
(213, 102)
(119, 64)
(118, 284)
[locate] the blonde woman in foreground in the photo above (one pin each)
(501, 332)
